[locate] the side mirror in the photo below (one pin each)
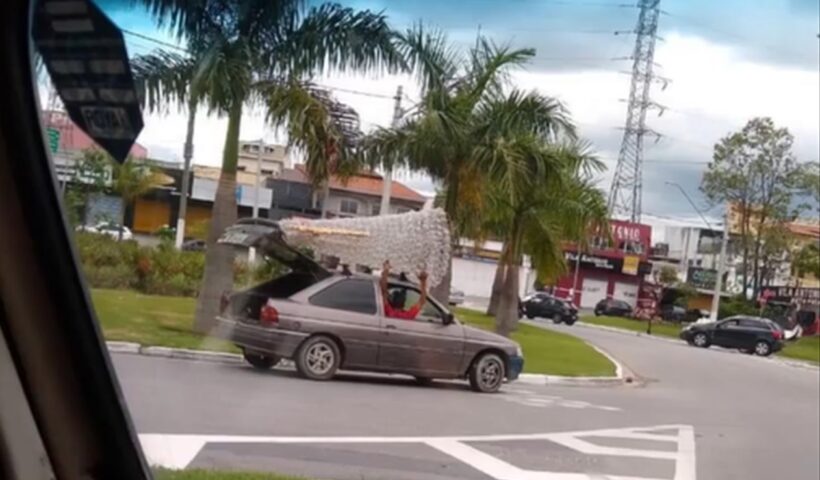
(448, 319)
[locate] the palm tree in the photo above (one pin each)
(448, 133)
(547, 201)
(131, 180)
(252, 50)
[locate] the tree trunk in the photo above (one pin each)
(441, 292)
(498, 283)
(325, 195)
(506, 319)
(218, 277)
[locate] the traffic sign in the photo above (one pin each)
(84, 53)
(53, 139)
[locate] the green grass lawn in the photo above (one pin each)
(548, 352)
(197, 474)
(154, 320)
(806, 348)
(660, 329)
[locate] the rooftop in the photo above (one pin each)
(364, 183)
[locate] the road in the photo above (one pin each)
(704, 414)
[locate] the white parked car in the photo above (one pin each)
(107, 228)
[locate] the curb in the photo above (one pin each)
(235, 358)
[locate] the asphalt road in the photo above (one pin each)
(704, 414)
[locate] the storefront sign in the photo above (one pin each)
(631, 265)
(593, 261)
(789, 294)
(701, 278)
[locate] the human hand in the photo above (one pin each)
(423, 276)
(386, 266)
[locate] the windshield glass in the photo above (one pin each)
(247, 183)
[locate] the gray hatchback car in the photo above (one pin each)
(326, 321)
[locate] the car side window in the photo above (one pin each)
(749, 323)
(729, 324)
(353, 295)
(411, 296)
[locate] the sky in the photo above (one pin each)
(726, 62)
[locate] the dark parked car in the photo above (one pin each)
(326, 321)
(757, 335)
(615, 308)
(544, 305)
(194, 245)
(673, 313)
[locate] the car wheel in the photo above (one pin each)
(487, 373)
(569, 321)
(318, 358)
(701, 340)
(556, 318)
(530, 316)
(763, 349)
(597, 313)
(259, 361)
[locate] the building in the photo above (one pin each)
(613, 266)
(272, 160)
(359, 195)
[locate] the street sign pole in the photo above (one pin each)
(721, 268)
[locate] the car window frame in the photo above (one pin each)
(418, 318)
(338, 283)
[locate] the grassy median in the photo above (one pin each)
(806, 348)
(548, 352)
(153, 320)
(198, 474)
(129, 316)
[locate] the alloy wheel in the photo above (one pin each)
(319, 358)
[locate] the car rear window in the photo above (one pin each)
(353, 295)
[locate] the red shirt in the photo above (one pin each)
(409, 314)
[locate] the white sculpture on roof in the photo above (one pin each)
(411, 241)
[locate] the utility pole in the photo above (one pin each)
(387, 181)
(625, 193)
(261, 144)
(187, 154)
(721, 268)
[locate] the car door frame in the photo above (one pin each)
(724, 335)
(405, 346)
(358, 332)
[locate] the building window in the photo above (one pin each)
(375, 209)
(241, 168)
(349, 206)
(266, 171)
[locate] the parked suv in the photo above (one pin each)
(610, 306)
(327, 321)
(544, 305)
(757, 335)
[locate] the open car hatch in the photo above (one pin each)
(267, 237)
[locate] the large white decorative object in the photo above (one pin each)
(411, 241)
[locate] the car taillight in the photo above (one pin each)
(268, 316)
(224, 300)
(777, 334)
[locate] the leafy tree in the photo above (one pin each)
(247, 51)
(668, 275)
(132, 179)
(451, 133)
(90, 176)
(807, 261)
(754, 172)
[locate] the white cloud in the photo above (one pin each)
(713, 91)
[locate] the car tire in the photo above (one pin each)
(570, 321)
(762, 348)
(701, 340)
(259, 361)
(530, 316)
(597, 313)
(556, 319)
(487, 373)
(318, 358)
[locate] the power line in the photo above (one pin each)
(155, 40)
(589, 4)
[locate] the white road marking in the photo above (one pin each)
(177, 451)
(529, 398)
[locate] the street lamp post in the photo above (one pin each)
(722, 262)
(252, 251)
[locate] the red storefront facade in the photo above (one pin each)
(608, 268)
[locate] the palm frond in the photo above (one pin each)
(163, 78)
(528, 112)
(430, 57)
(333, 38)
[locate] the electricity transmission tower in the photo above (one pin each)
(625, 193)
